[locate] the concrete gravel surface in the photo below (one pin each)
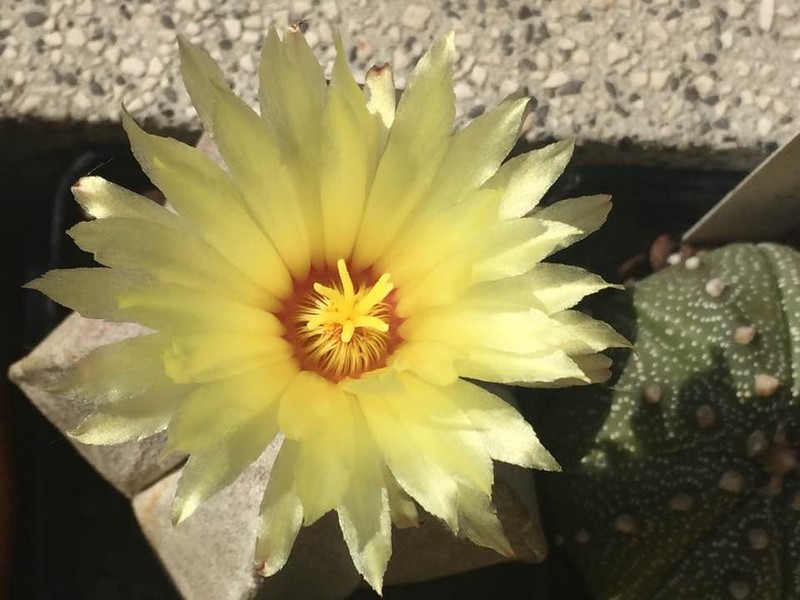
(711, 83)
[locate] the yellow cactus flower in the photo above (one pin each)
(339, 285)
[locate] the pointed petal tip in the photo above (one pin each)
(78, 434)
(623, 343)
(73, 231)
(186, 48)
(260, 568)
(378, 70)
(550, 464)
(129, 124)
(40, 283)
(376, 586)
(181, 510)
(374, 578)
(504, 548)
(32, 284)
(521, 106)
(518, 96)
(566, 146)
(176, 519)
(86, 185)
(79, 185)
(338, 43)
(89, 434)
(272, 42)
(449, 40)
(182, 42)
(444, 48)
(267, 567)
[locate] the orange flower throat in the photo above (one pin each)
(339, 328)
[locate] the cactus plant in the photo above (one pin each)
(681, 474)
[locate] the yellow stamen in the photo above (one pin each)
(345, 328)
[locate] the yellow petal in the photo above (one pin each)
(403, 508)
(249, 146)
(205, 195)
(251, 152)
(578, 333)
(476, 152)
(444, 434)
(132, 418)
(506, 434)
(91, 292)
(209, 470)
(169, 254)
(477, 520)
(216, 355)
(183, 311)
(219, 409)
(364, 515)
(548, 287)
(127, 297)
(448, 280)
(520, 369)
(425, 480)
(426, 241)
(516, 246)
(200, 75)
(419, 138)
(381, 98)
(105, 430)
(281, 512)
(525, 179)
(306, 405)
(292, 91)
(466, 327)
(349, 156)
(523, 331)
(431, 438)
(596, 367)
(325, 466)
(379, 381)
(102, 199)
(586, 214)
(431, 361)
(431, 261)
(116, 372)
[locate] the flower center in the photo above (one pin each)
(341, 329)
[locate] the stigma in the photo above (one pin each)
(345, 309)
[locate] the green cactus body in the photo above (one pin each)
(681, 475)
